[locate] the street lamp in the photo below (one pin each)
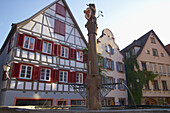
(6, 70)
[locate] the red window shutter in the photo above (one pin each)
(62, 28)
(36, 74)
(38, 45)
(52, 51)
(57, 75)
(59, 27)
(15, 70)
(58, 50)
(72, 77)
(55, 49)
(72, 53)
(60, 10)
(20, 41)
(52, 74)
(84, 77)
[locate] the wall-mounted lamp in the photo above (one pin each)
(6, 70)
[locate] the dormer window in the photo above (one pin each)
(153, 40)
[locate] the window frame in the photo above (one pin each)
(153, 40)
(64, 53)
(155, 85)
(47, 47)
(109, 60)
(25, 74)
(63, 76)
(122, 87)
(79, 78)
(164, 85)
(24, 42)
(120, 66)
(45, 74)
(78, 55)
(155, 52)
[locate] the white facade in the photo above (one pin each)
(114, 65)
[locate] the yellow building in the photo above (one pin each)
(152, 55)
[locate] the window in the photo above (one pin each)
(26, 72)
(164, 85)
(121, 86)
(162, 55)
(47, 47)
(155, 52)
(34, 102)
(161, 69)
(147, 51)
(147, 86)
(168, 70)
(79, 55)
(63, 76)
(79, 78)
(153, 68)
(155, 83)
(78, 102)
(29, 43)
(109, 49)
(153, 40)
(144, 66)
(109, 64)
(101, 61)
(64, 52)
(45, 74)
(122, 101)
(119, 66)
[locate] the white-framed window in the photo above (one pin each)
(47, 46)
(153, 68)
(29, 43)
(63, 76)
(162, 69)
(64, 51)
(79, 56)
(45, 74)
(26, 72)
(120, 66)
(79, 78)
(109, 64)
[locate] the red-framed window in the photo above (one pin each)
(47, 47)
(63, 76)
(26, 42)
(32, 101)
(61, 10)
(26, 71)
(45, 74)
(79, 78)
(64, 52)
(59, 28)
(80, 55)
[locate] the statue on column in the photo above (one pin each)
(93, 80)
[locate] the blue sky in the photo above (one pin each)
(127, 19)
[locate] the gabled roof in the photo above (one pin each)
(141, 43)
(15, 25)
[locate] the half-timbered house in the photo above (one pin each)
(44, 53)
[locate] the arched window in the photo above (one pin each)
(109, 49)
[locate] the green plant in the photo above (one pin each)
(136, 79)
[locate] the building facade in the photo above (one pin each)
(112, 61)
(152, 55)
(44, 53)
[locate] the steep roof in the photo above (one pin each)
(141, 43)
(15, 25)
(168, 48)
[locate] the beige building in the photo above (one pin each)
(152, 55)
(112, 62)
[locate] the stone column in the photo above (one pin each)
(93, 79)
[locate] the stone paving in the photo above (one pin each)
(14, 110)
